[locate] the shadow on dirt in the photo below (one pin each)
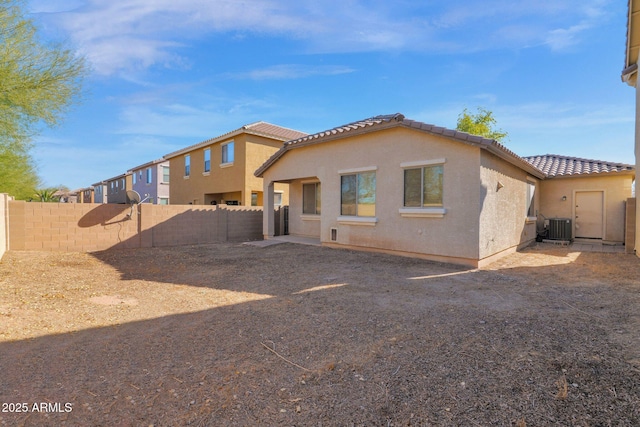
(376, 339)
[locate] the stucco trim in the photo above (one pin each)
(358, 220)
(422, 212)
(310, 217)
(418, 163)
(357, 170)
(226, 165)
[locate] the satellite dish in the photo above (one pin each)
(133, 198)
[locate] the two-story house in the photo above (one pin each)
(117, 188)
(151, 181)
(220, 170)
(100, 192)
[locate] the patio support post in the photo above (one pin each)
(268, 215)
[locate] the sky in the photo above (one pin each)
(167, 74)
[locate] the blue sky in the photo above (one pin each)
(167, 74)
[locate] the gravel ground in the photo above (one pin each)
(230, 334)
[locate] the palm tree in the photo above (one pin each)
(46, 195)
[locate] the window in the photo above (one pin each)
(227, 153)
(277, 199)
(134, 178)
(254, 199)
(165, 174)
(187, 165)
(531, 205)
(311, 198)
(358, 194)
(149, 176)
(423, 186)
(207, 160)
(123, 183)
(163, 201)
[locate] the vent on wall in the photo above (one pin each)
(334, 234)
(559, 229)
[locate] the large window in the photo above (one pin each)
(531, 198)
(423, 186)
(149, 176)
(311, 198)
(165, 174)
(358, 194)
(207, 160)
(227, 152)
(187, 165)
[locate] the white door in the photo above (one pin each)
(589, 214)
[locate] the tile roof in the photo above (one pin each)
(554, 165)
(258, 128)
(393, 120)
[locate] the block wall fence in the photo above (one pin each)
(88, 227)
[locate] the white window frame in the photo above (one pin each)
(224, 155)
(355, 219)
(530, 200)
(423, 211)
(206, 167)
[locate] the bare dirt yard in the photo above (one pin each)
(230, 334)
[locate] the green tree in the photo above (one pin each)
(39, 81)
(482, 124)
(46, 195)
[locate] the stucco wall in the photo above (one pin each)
(502, 211)
(454, 236)
(157, 188)
(617, 189)
(250, 151)
(93, 227)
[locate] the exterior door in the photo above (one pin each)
(589, 214)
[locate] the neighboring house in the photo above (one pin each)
(397, 185)
(151, 181)
(117, 188)
(85, 195)
(100, 192)
(220, 170)
(630, 76)
(591, 193)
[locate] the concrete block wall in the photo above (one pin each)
(630, 226)
(75, 227)
(93, 227)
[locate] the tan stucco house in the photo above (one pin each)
(220, 170)
(592, 194)
(396, 185)
(630, 76)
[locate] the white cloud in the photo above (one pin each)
(290, 71)
(137, 34)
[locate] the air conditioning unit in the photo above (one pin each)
(559, 229)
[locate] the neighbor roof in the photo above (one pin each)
(398, 120)
(265, 129)
(554, 165)
(145, 165)
(629, 72)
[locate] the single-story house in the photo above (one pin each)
(396, 185)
